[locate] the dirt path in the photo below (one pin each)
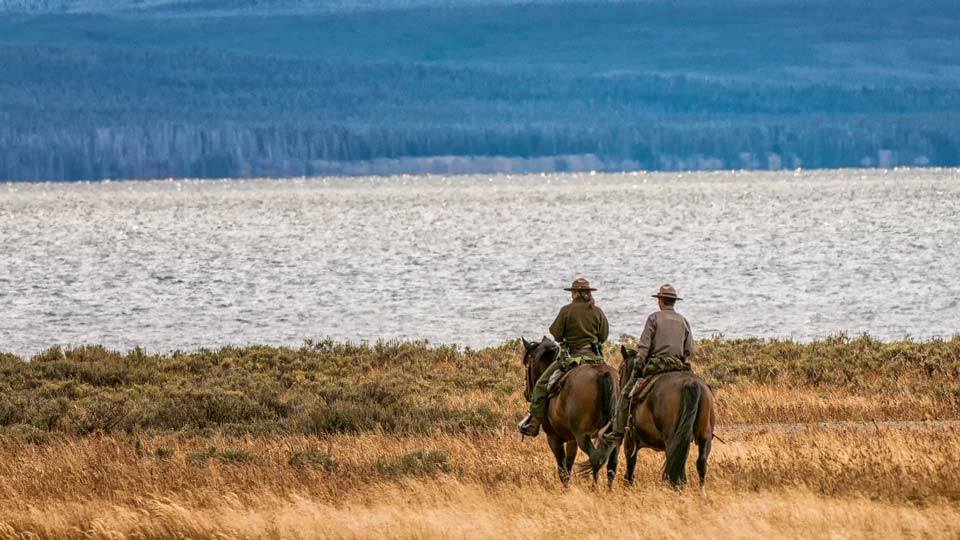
(792, 427)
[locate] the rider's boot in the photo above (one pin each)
(615, 435)
(530, 426)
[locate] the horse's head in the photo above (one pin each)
(536, 358)
(626, 367)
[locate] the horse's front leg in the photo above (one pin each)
(557, 445)
(630, 448)
(612, 463)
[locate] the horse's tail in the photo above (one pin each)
(679, 445)
(607, 401)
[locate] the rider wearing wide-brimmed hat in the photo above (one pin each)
(581, 327)
(666, 337)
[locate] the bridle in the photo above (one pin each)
(529, 363)
(528, 372)
(627, 367)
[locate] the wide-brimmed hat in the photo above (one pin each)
(667, 291)
(580, 284)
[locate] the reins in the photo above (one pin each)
(530, 365)
(529, 374)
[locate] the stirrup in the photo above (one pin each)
(529, 426)
(612, 436)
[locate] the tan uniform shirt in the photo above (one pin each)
(667, 333)
(581, 324)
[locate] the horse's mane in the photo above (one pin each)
(626, 366)
(548, 350)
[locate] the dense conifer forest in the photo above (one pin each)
(93, 90)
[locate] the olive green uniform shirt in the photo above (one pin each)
(581, 323)
(666, 334)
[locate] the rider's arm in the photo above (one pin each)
(687, 342)
(558, 326)
(646, 338)
(604, 332)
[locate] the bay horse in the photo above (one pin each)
(678, 409)
(586, 403)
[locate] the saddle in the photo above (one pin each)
(556, 382)
(559, 378)
(651, 371)
(664, 364)
(642, 388)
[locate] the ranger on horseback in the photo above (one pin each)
(666, 344)
(581, 327)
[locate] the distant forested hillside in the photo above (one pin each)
(134, 91)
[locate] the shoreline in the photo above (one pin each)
(610, 346)
(369, 178)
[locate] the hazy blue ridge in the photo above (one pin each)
(341, 6)
(93, 90)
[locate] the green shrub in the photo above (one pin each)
(337, 417)
(326, 387)
(101, 413)
(417, 463)
(26, 433)
(53, 354)
(316, 459)
(236, 456)
(227, 456)
(205, 407)
(13, 410)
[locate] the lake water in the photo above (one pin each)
(475, 260)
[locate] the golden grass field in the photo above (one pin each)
(807, 455)
(856, 481)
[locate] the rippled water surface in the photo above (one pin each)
(475, 260)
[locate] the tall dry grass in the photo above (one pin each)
(449, 509)
(859, 481)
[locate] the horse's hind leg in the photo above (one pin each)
(704, 448)
(586, 444)
(571, 451)
(612, 463)
(558, 452)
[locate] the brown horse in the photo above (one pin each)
(678, 409)
(586, 403)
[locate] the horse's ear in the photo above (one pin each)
(623, 351)
(527, 344)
